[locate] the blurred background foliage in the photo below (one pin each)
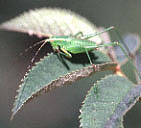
(58, 108)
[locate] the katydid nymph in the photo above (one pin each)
(78, 43)
(73, 44)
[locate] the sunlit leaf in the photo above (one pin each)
(46, 22)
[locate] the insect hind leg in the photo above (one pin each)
(98, 33)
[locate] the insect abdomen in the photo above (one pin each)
(79, 46)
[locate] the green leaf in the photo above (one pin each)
(49, 71)
(46, 22)
(130, 99)
(108, 98)
(128, 69)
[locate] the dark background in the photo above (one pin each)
(59, 108)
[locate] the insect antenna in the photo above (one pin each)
(32, 46)
(32, 60)
(43, 43)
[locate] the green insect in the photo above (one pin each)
(79, 43)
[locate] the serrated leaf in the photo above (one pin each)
(46, 22)
(103, 99)
(128, 102)
(51, 68)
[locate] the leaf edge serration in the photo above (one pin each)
(88, 94)
(65, 79)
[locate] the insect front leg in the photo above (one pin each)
(65, 52)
